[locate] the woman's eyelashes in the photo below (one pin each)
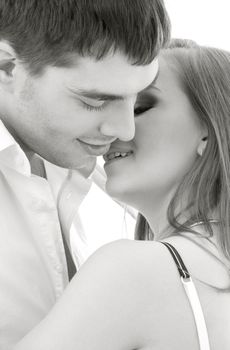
(143, 105)
(141, 109)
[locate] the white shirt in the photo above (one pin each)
(33, 271)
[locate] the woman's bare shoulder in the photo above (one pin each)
(131, 283)
(133, 262)
(125, 251)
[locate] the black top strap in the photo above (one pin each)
(178, 260)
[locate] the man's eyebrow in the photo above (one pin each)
(96, 95)
(103, 96)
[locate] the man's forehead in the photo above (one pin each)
(114, 81)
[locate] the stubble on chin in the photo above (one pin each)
(87, 167)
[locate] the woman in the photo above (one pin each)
(176, 173)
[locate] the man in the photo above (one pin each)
(69, 75)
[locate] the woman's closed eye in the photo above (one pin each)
(143, 104)
(141, 109)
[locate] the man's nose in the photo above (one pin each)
(120, 123)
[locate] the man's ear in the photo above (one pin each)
(7, 65)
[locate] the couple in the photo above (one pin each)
(143, 294)
(171, 163)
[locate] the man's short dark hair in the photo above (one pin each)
(48, 32)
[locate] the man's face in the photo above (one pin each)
(70, 115)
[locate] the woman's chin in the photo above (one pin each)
(117, 190)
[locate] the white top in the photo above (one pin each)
(194, 300)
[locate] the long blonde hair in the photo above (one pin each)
(205, 76)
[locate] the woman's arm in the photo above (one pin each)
(96, 311)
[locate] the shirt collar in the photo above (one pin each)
(11, 154)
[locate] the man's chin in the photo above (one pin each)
(87, 167)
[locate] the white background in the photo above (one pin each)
(208, 23)
(205, 21)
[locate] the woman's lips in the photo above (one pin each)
(94, 150)
(116, 155)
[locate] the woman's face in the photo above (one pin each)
(164, 148)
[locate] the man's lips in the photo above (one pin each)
(94, 149)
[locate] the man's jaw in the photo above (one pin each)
(87, 167)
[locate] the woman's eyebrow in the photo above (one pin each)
(156, 77)
(152, 84)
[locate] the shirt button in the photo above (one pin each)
(42, 205)
(69, 195)
(37, 203)
(59, 268)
